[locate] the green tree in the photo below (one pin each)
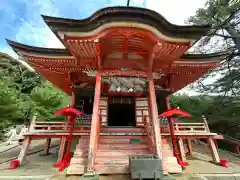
(224, 18)
(47, 99)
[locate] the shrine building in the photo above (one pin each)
(119, 66)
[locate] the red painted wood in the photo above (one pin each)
(171, 127)
(95, 123)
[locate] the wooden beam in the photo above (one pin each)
(95, 119)
(63, 140)
(133, 73)
(152, 55)
(47, 146)
(182, 151)
(171, 127)
(62, 145)
(33, 123)
(99, 61)
(205, 123)
(214, 150)
(189, 146)
(156, 122)
(25, 146)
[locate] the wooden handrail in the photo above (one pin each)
(150, 133)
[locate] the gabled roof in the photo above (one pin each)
(126, 14)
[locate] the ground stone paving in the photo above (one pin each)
(40, 166)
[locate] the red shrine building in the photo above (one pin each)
(119, 66)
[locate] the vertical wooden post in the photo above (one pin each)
(62, 145)
(27, 141)
(189, 146)
(205, 123)
(47, 145)
(171, 127)
(182, 151)
(25, 146)
(95, 119)
(63, 139)
(155, 119)
(32, 125)
(214, 151)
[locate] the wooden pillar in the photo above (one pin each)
(62, 145)
(27, 141)
(182, 151)
(25, 146)
(171, 127)
(32, 125)
(95, 122)
(214, 150)
(155, 119)
(63, 139)
(47, 146)
(189, 146)
(205, 123)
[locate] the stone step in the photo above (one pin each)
(167, 153)
(112, 169)
(174, 169)
(76, 169)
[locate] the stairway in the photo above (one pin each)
(78, 164)
(113, 153)
(169, 160)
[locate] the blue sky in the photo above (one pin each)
(21, 19)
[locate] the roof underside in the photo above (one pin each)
(120, 41)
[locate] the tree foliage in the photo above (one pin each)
(223, 115)
(24, 92)
(224, 18)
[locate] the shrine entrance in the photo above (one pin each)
(121, 112)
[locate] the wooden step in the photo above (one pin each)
(117, 160)
(79, 160)
(117, 153)
(112, 169)
(80, 146)
(117, 140)
(130, 130)
(80, 154)
(122, 146)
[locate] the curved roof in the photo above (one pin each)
(22, 48)
(126, 14)
(18, 47)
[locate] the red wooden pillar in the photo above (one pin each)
(95, 122)
(155, 119)
(171, 127)
(63, 140)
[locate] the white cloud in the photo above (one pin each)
(175, 11)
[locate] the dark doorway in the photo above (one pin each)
(121, 114)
